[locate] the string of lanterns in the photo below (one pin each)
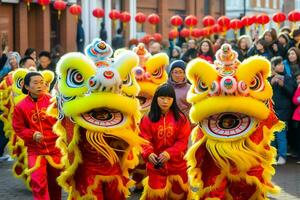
(210, 24)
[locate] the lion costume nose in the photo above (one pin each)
(105, 80)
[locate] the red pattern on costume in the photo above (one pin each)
(170, 136)
(95, 164)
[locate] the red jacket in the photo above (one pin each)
(166, 135)
(30, 116)
(296, 115)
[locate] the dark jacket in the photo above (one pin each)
(189, 55)
(282, 97)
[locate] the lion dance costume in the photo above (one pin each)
(97, 122)
(11, 94)
(231, 156)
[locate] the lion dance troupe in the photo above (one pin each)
(97, 136)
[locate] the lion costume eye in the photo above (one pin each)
(257, 83)
(74, 78)
(19, 83)
(157, 73)
(127, 81)
(201, 87)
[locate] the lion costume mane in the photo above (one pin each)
(231, 156)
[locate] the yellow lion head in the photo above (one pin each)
(231, 103)
(149, 74)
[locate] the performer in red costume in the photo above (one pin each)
(31, 123)
(167, 130)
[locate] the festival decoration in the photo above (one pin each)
(59, 5)
(44, 3)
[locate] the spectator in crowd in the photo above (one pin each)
(184, 48)
(132, 43)
(242, 47)
(296, 38)
(286, 30)
(167, 130)
(296, 117)
(31, 52)
(270, 36)
(178, 80)
(3, 57)
(45, 63)
(56, 53)
(191, 53)
(292, 63)
(283, 90)
(206, 50)
(218, 43)
(260, 48)
(103, 32)
(284, 42)
(27, 62)
(11, 64)
(80, 38)
(118, 40)
(154, 47)
(175, 54)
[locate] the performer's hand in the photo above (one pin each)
(153, 158)
(37, 136)
(164, 157)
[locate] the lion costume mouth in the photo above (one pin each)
(104, 117)
(145, 100)
(228, 125)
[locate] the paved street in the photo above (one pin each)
(287, 177)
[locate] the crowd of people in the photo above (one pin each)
(280, 48)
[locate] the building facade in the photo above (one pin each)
(21, 27)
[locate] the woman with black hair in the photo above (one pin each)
(31, 52)
(167, 130)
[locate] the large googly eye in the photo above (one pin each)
(127, 81)
(74, 78)
(257, 83)
(19, 83)
(157, 73)
(200, 87)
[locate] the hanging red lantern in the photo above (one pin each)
(59, 5)
(173, 34)
(28, 3)
(206, 31)
(176, 21)
(279, 17)
(140, 18)
(196, 33)
(185, 33)
(44, 3)
(208, 21)
(247, 21)
(98, 13)
(153, 19)
(125, 18)
(75, 10)
(216, 28)
(293, 17)
(157, 37)
(262, 19)
(224, 21)
(114, 15)
(191, 21)
(236, 24)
